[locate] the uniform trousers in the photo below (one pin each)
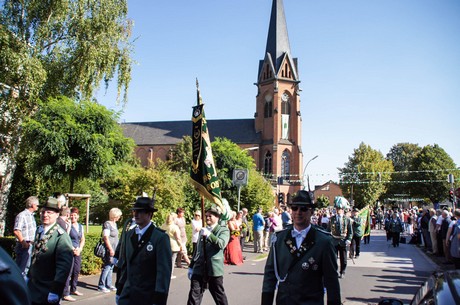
(342, 253)
(216, 288)
(356, 245)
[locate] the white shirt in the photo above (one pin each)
(299, 238)
(141, 232)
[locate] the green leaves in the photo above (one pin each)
(74, 139)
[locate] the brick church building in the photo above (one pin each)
(272, 137)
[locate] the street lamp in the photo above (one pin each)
(304, 172)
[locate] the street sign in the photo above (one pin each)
(450, 178)
(240, 177)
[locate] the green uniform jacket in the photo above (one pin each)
(215, 245)
(340, 233)
(303, 272)
(148, 267)
(357, 226)
(51, 267)
(13, 289)
(120, 256)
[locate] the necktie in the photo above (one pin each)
(296, 234)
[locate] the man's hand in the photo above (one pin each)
(25, 244)
(53, 298)
(347, 242)
(205, 232)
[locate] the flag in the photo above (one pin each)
(365, 215)
(203, 172)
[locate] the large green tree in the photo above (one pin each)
(429, 173)
(49, 48)
(402, 156)
(364, 175)
(72, 140)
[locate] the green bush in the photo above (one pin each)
(90, 263)
(8, 243)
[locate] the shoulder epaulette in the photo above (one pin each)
(61, 231)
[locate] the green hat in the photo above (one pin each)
(214, 209)
(52, 204)
(145, 203)
(302, 198)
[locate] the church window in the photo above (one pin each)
(268, 163)
(268, 108)
(285, 165)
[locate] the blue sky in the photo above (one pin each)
(375, 71)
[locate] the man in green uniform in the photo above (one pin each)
(207, 266)
(357, 233)
(302, 261)
(148, 259)
(52, 257)
(342, 231)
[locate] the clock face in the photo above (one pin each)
(285, 97)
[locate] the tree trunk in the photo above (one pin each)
(5, 191)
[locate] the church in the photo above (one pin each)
(272, 138)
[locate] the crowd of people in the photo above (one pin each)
(303, 244)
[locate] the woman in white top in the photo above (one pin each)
(197, 224)
(325, 219)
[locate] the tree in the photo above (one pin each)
(74, 140)
(49, 48)
(322, 202)
(227, 157)
(364, 175)
(430, 169)
(402, 156)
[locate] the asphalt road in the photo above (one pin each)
(381, 272)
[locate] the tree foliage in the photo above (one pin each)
(363, 175)
(431, 167)
(74, 140)
(322, 202)
(402, 156)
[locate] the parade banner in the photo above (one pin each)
(365, 215)
(203, 172)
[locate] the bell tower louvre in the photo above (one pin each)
(278, 117)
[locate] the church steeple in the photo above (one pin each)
(277, 117)
(278, 39)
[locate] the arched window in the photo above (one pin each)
(268, 108)
(268, 163)
(285, 165)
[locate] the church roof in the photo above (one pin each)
(239, 131)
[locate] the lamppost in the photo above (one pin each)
(304, 172)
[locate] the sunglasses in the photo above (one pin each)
(302, 209)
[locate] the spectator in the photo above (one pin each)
(182, 255)
(173, 232)
(197, 224)
(258, 224)
(244, 228)
(78, 242)
(286, 217)
(24, 230)
(110, 238)
(432, 231)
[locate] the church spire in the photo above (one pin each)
(277, 40)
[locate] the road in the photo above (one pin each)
(381, 272)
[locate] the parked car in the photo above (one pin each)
(441, 288)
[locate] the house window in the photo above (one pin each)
(285, 165)
(268, 163)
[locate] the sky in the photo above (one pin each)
(380, 72)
